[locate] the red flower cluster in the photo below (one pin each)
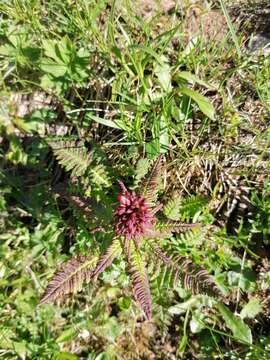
(133, 215)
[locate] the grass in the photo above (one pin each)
(92, 79)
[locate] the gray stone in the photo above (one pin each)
(260, 43)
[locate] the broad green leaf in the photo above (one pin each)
(152, 149)
(204, 104)
(240, 330)
(163, 72)
(251, 309)
(111, 328)
(106, 122)
(182, 345)
(20, 348)
(244, 279)
(124, 303)
(63, 355)
(31, 53)
(28, 125)
(59, 51)
(7, 50)
(196, 323)
(49, 47)
(16, 40)
(193, 79)
(83, 53)
(183, 307)
(64, 50)
(194, 302)
(163, 136)
(147, 50)
(67, 335)
(51, 67)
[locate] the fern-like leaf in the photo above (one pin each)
(160, 253)
(139, 279)
(81, 203)
(166, 228)
(113, 251)
(141, 171)
(70, 278)
(196, 279)
(73, 157)
(150, 186)
(94, 211)
(99, 175)
(172, 209)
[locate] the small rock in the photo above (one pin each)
(260, 43)
(85, 334)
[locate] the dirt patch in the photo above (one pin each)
(200, 21)
(25, 104)
(149, 8)
(210, 25)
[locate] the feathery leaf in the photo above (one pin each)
(196, 279)
(141, 171)
(139, 279)
(70, 278)
(150, 185)
(73, 157)
(99, 175)
(81, 203)
(159, 252)
(113, 251)
(172, 209)
(166, 228)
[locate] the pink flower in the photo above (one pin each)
(133, 216)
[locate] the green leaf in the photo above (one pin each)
(196, 323)
(163, 136)
(163, 72)
(183, 344)
(106, 122)
(193, 302)
(244, 279)
(142, 169)
(53, 68)
(63, 355)
(147, 50)
(100, 176)
(6, 343)
(240, 330)
(193, 79)
(251, 309)
(7, 50)
(67, 335)
(152, 149)
(72, 157)
(20, 348)
(64, 50)
(204, 104)
(32, 54)
(171, 209)
(50, 50)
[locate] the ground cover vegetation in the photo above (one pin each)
(134, 198)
